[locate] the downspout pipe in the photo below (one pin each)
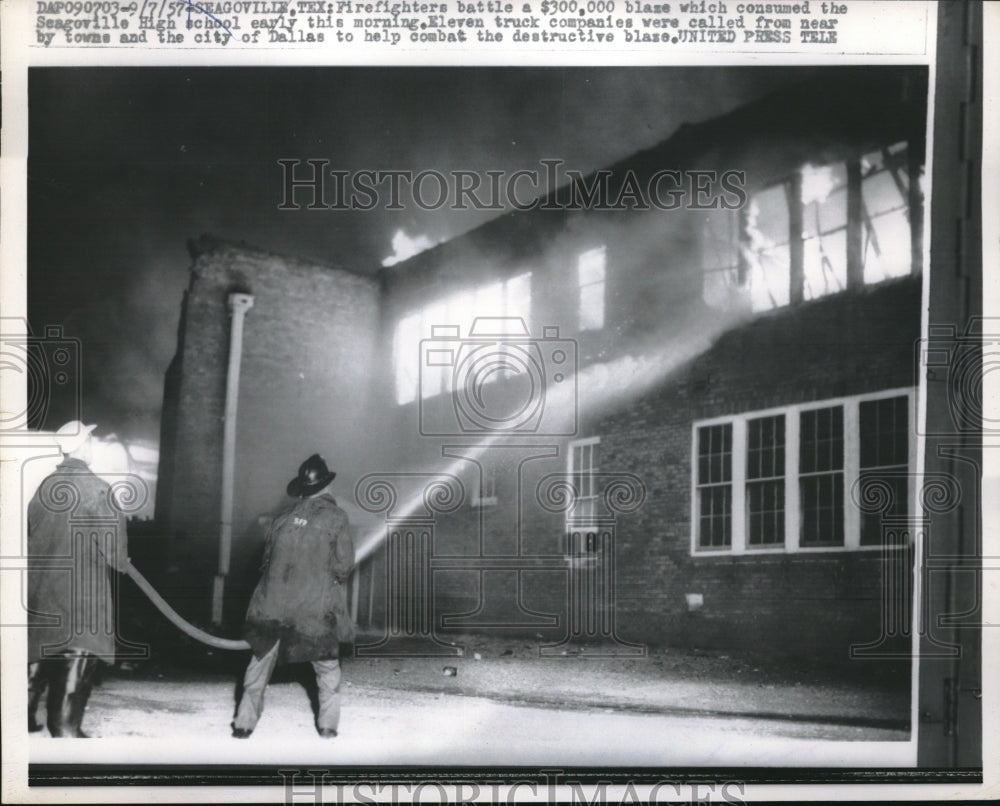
(239, 304)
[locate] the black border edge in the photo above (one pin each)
(44, 775)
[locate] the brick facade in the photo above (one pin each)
(304, 386)
(319, 370)
(847, 344)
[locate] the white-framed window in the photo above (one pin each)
(485, 491)
(503, 299)
(885, 449)
(582, 458)
(821, 476)
(714, 485)
(780, 479)
(590, 276)
(766, 481)
(820, 230)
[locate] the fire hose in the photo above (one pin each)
(175, 618)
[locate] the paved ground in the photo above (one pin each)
(505, 705)
(665, 681)
(392, 726)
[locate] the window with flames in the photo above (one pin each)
(822, 230)
(503, 299)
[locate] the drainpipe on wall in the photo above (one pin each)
(239, 304)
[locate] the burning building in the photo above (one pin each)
(610, 425)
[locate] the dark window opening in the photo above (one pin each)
(765, 481)
(715, 494)
(821, 476)
(885, 448)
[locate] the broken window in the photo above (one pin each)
(590, 267)
(822, 230)
(721, 261)
(885, 190)
(766, 244)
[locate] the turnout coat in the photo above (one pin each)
(76, 534)
(301, 599)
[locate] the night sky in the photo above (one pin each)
(127, 164)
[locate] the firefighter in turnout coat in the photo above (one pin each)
(76, 538)
(298, 611)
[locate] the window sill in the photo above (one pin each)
(799, 550)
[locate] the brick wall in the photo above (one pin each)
(308, 346)
(318, 375)
(850, 343)
(817, 603)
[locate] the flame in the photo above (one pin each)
(404, 247)
(817, 183)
